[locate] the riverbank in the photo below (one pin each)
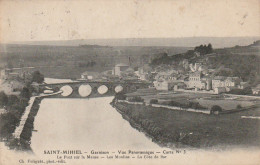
(179, 128)
(23, 143)
(153, 133)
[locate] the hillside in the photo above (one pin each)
(240, 61)
(71, 61)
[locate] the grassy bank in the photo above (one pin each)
(192, 129)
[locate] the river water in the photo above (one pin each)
(92, 124)
(85, 124)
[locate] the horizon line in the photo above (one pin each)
(10, 42)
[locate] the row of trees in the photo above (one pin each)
(164, 58)
(204, 49)
(15, 106)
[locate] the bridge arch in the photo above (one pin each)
(119, 88)
(85, 90)
(103, 89)
(66, 90)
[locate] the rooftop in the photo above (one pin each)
(121, 64)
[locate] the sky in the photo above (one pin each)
(44, 20)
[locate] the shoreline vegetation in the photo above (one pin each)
(14, 107)
(25, 138)
(178, 129)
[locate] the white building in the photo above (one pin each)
(90, 75)
(219, 90)
(256, 90)
(119, 68)
(221, 81)
(163, 85)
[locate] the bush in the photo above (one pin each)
(37, 77)
(3, 99)
(153, 101)
(239, 106)
(120, 96)
(215, 109)
(25, 93)
(136, 99)
(246, 91)
(196, 105)
(174, 103)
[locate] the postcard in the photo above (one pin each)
(129, 82)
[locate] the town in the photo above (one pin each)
(189, 85)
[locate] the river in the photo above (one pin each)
(85, 124)
(92, 124)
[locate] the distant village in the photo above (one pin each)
(192, 77)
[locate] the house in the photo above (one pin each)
(208, 81)
(221, 81)
(169, 75)
(119, 68)
(218, 81)
(90, 75)
(219, 90)
(243, 85)
(195, 81)
(256, 90)
(143, 72)
(13, 75)
(232, 81)
(180, 85)
(163, 85)
(3, 74)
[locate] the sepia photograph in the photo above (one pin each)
(130, 82)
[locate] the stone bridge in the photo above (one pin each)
(82, 89)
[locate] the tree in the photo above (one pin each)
(120, 96)
(25, 93)
(209, 48)
(239, 106)
(37, 77)
(153, 101)
(12, 99)
(3, 99)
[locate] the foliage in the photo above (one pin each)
(204, 49)
(239, 106)
(136, 99)
(153, 101)
(120, 96)
(37, 77)
(3, 99)
(215, 108)
(245, 67)
(8, 123)
(174, 103)
(12, 99)
(246, 91)
(167, 59)
(86, 64)
(25, 93)
(196, 105)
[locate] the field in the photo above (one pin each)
(224, 103)
(200, 130)
(206, 100)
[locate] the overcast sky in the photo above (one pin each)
(65, 20)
